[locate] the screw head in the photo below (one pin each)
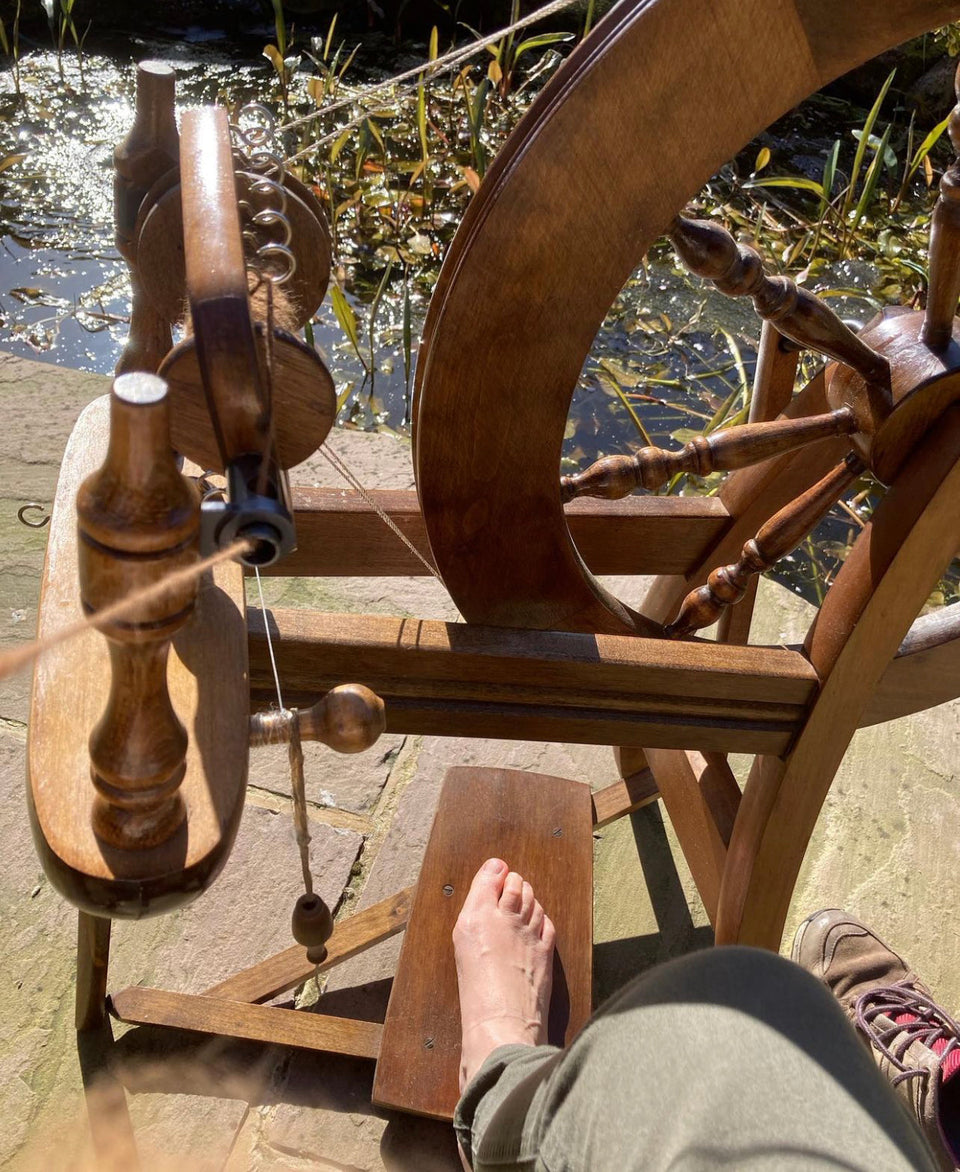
(428, 1043)
(448, 889)
(558, 832)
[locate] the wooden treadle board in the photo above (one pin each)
(543, 828)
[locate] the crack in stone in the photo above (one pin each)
(14, 728)
(278, 803)
(311, 1160)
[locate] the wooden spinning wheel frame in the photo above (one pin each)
(546, 653)
(522, 294)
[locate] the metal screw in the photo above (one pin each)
(448, 889)
(558, 832)
(428, 1043)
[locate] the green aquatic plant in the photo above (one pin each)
(62, 25)
(10, 43)
(508, 52)
(285, 63)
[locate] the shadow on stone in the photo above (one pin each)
(411, 1144)
(677, 932)
(163, 1060)
(111, 1131)
(615, 962)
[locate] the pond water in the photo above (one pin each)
(671, 358)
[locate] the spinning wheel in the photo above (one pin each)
(546, 653)
(523, 291)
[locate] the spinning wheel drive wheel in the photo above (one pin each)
(633, 126)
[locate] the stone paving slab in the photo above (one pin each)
(886, 846)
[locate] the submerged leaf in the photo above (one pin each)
(346, 317)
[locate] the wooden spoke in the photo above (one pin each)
(736, 269)
(736, 447)
(782, 533)
(944, 288)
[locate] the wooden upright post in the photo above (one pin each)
(150, 150)
(138, 519)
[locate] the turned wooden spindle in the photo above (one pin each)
(943, 290)
(736, 269)
(138, 520)
(349, 719)
(782, 533)
(736, 447)
(150, 150)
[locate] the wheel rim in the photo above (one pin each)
(527, 281)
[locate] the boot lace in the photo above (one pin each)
(931, 1024)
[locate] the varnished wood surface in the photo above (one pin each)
(943, 288)
(349, 718)
(160, 254)
(623, 797)
(217, 286)
(456, 680)
(883, 583)
(528, 279)
(709, 251)
(923, 384)
(93, 955)
(258, 1023)
(149, 150)
(351, 936)
(775, 375)
(925, 671)
(207, 682)
(304, 398)
(751, 497)
(543, 828)
(783, 532)
(138, 520)
(339, 534)
(720, 451)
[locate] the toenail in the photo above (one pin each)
(493, 866)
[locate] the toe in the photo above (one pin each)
(526, 902)
(548, 934)
(487, 883)
(511, 899)
(536, 917)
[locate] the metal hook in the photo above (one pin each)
(30, 506)
(288, 260)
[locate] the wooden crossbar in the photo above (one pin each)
(458, 680)
(340, 535)
(257, 1023)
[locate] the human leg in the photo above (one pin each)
(725, 1058)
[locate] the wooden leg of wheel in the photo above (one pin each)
(107, 1112)
(93, 954)
(884, 582)
(110, 1126)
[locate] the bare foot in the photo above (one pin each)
(503, 943)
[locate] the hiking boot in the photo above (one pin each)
(916, 1043)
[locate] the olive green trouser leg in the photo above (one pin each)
(729, 1058)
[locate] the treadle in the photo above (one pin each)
(543, 827)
